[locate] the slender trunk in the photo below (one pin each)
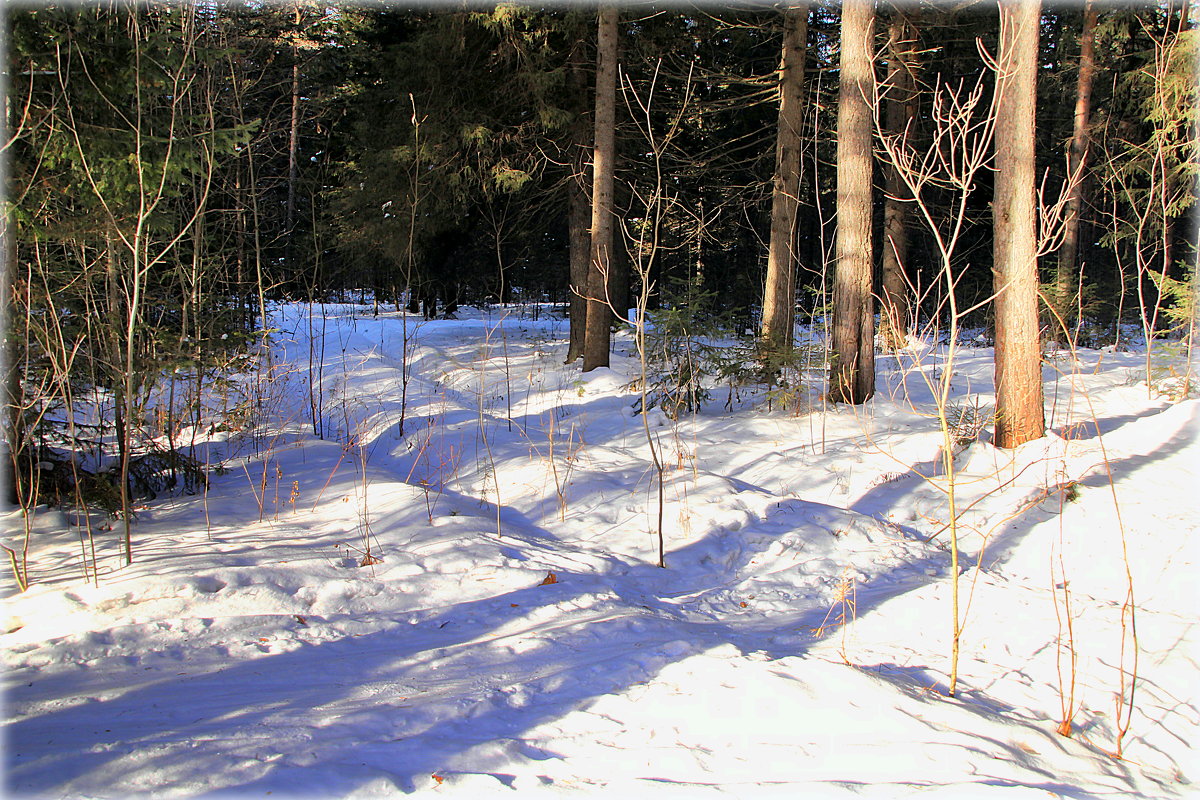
(779, 301)
(239, 229)
(18, 435)
(852, 374)
(119, 371)
(1066, 284)
(260, 283)
(899, 112)
(126, 408)
(1020, 415)
(578, 217)
(599, 315)
(293, 137)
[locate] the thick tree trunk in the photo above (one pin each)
(1020, 413)
(779, 300)
(599, 316)
(1066, 284)
(852, 375)
(578, 216)
(900, 109)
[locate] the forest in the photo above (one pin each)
(596, 353)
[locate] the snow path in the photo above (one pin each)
(238, 657)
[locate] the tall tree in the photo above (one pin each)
(599, 315)
(1066, 286)
(578, 210)
(1020, 415)
(293, 130)
(852, 375)
(899, 112)
(779, 295)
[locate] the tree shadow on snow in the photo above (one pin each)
(402, 703)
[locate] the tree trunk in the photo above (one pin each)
(599, 316)
(900, 110)
(619, 274)
(852, 374)
(293, 137)
(14, 403)
(1066, 285)
(578, 215)
(1020, 413)
(779, 301)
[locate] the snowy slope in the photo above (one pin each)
(515, 635)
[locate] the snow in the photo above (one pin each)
(515, 636)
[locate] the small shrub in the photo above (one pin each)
(680, 354)
(967, 421)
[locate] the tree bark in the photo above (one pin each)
(852, 374)
(293, 136)
(899, 111)
(1020, 415)
(578, 216)
(599, 315)
(1066, 284)
(779, 301)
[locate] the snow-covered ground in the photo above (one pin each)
(515, 635)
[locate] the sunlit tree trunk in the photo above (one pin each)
(852, 375)
(1020, 413)
(599, 316)
(779, 300)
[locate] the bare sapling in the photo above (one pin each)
(818, 315)
(959, 150)
(316, 370)
(133, 251)
(484, 358)
(1129, 650)
(27, 405)
(29, 402)
(258, 497)
(437, 461)
(1064, 638)
(1151, 187)
(843, 611)
(368, 556)
(644, 242)
(408, 334)
(563, 479)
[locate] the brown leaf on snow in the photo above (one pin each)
(550, 578)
